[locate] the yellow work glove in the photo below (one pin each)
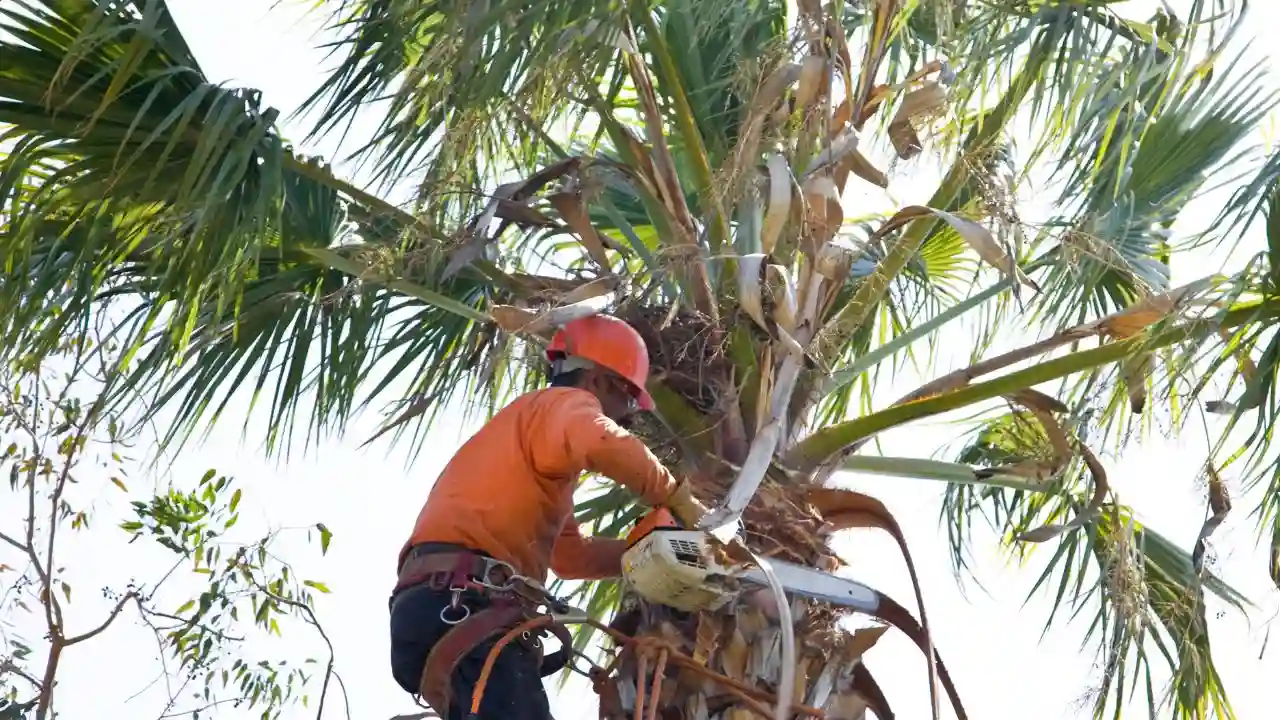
(687, 509)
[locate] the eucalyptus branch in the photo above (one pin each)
(8, 666)
(183, 713)
(111, 617)
(313, 621)
(14, 543)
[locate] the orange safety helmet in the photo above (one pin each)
(609, 342)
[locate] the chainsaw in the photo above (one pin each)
(683, 569)
(689, 570)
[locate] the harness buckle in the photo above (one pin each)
(455, 612)
(458, 614)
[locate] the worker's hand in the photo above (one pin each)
(687, 509)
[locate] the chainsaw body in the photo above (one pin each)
(675, 568)
(670, 566)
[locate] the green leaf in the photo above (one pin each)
(235, 500)
(318, 586)
(325, 537)
(119, 483)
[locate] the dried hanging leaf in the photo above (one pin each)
(775, 218)
(570, 206)
(1133, 372)
(1248, 370)
(1037, 401)
(924, 101)
(840, 118)
(976, 236)
(859, 165)
(506, 200)
(588, 290)
(1152, 309)
(1038, 471)
(862, 640)
(865, 685)
(801, 680)
(513, 319)
(883, 18)
(477, 232)
(1086, 515)
(764, 655)
(835, 153)
(835, 260)
(824, 213)
(521, 214)
(879, 94)
(751, 277)
(695, 707)
(733, 659)
(813, 75)
(1219, 507)
(782, 292)
(524, 321)
(844, 509)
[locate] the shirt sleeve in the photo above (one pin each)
(575, 557)
(576, 435)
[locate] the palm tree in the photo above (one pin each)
(682, 164)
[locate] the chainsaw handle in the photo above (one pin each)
(659, 518)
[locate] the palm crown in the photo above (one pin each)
(682, 164)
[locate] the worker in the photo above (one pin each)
(504, 505)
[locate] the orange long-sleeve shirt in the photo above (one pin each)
(509, 490)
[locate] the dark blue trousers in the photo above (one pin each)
(514, 690)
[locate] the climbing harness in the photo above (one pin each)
(503, 600)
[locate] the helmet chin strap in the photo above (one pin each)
(569, 363)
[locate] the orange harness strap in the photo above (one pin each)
(479, 628)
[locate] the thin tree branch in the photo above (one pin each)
(115, 612)
(8, 666)
(185, 713)
(346, 701)
(13, 542)
(314, 622)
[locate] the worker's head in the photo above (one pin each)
(606, 357)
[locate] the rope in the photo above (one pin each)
(656, 691)
(755, 699)
(642, 666)
(477, 695)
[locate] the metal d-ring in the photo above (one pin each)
(465, 612)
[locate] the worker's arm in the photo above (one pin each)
(575, 557)
(575, 435)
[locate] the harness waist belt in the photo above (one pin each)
(442, 570)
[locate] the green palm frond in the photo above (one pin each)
(1116, 247)
(1147, 597)
(136, 184)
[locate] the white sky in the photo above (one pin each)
(1002, 666)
